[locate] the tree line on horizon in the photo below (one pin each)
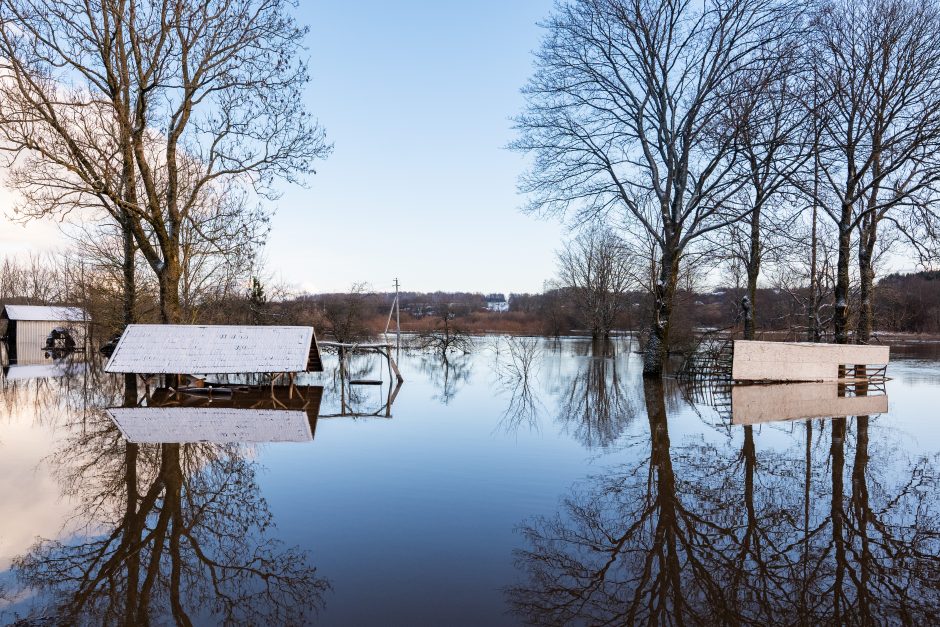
(903, 303)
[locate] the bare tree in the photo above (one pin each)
(345, 315)
(879, 69)
(152, 110)
(622, 115)
(595, 269)
(443, 335)
(772, 138)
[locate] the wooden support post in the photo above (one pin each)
(394, 366)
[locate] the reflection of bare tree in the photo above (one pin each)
(884, 556)
(446, 374)
(618, 553)
(62, 391)
(517, 375)
(727, 534)
(167, 530)
(594, 404)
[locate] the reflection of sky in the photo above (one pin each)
(413, 519)
(30, 506)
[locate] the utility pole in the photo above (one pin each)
(397, 311)
(397, 319)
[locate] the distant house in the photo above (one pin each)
(496, 302)
(27, 327)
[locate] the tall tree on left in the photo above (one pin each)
(152, 110)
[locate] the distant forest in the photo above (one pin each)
(904, 303)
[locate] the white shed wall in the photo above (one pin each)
(35, 332)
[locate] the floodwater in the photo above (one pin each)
(530, 482)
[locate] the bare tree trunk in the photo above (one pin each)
(169, 280)
(657, 342)
(813, 332)
(753, 271)
(841, 313)
(866, 249)
(129, 274)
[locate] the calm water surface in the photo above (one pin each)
(550, 487)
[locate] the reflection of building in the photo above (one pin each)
(51, 370)
(284, 414)
(752, 404)
(26, 328)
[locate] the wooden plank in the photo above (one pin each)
(754, 404)
(799, 361)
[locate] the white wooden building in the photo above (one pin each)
(26, 328)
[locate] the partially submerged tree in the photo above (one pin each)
(879, 69)
(150, 111)
(345, 315)
(444, 335)
(594, 267)
(622, 115)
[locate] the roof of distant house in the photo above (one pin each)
(211, 349)
(45, 313)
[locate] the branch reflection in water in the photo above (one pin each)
(824, 531)
(594, 404)
(175, 530)
(446, 373)
(517, 365)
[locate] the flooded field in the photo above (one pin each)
(532, 481)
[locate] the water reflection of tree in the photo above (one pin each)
(594, 405)
(705, 534)
(447, 374)
(166, 530)
(77, 386)
(516, 375)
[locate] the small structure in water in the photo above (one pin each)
(749, 361)
(806, 361)
(29, 328)
(344, 350)
(180, 349)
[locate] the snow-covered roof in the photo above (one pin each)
(155, 425)
(210, 349)
(50, 314)
(19, 372)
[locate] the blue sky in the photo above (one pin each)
(417, 98)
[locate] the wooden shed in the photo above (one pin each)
(150, 349)
(26, 328)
